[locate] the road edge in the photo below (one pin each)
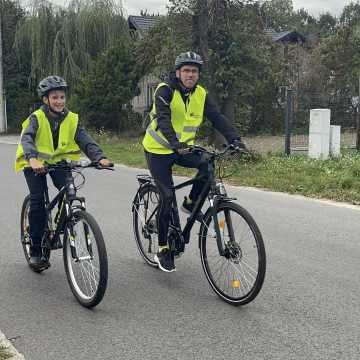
(11, 350)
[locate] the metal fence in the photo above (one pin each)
(343, 113)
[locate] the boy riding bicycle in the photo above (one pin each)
(51, 134)
(179, 107)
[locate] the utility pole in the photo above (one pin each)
(358, 121)
(2, 100)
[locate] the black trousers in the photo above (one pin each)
(37, 215)
(160, 166)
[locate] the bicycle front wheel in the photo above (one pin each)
(145, 222)
(85, 259)
(238, 274)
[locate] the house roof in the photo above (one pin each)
(142, 23)
(285, 36)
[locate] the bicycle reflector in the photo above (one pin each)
(222, 224)
(235, 284)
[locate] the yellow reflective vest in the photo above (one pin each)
(185, 118)
(67, 147)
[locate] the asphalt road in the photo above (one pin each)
(309, 307)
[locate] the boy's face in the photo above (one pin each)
(56, 100)
(188, 75)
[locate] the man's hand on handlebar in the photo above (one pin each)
(183, 148)
(238, 146)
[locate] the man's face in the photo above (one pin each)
(56, 100)
(188, 75)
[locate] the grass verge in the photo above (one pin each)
(335, 179)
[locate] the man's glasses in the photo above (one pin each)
(190, 71)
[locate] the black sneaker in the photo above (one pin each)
(187, 205)
(38, 263)
(165, 260)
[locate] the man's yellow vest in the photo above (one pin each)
(67, 147)
(185, 118)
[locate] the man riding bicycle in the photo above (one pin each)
(179, 107)
(50, 135)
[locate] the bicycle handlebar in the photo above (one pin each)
(73, 165)
(215, 153)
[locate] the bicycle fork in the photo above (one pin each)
(220, 225)
(213, 206)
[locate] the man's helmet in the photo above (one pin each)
(188, 58)
(52, 82)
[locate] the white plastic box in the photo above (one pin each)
(319, 133)
(335, 136)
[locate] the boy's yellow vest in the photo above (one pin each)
(185, 118)
(67, 147)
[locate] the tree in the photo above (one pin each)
(351, 15)
(238, 57)
(66, 41)
(18, 97)
(278, 14)
(103, 94)
(327, 24)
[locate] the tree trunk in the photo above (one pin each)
(200, 25)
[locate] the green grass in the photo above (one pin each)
(336, 179)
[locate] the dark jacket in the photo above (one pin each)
(163, 97)
(85, 142)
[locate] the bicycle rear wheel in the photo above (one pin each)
(238, 275)
(25, 236)
(145, 222)
(87, 267)
(24, 228)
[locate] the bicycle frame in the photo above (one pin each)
(64, 214)
(209, 191)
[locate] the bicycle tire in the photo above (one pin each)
(86, 262)
(24, 227)
(238, 290)
(24, 234)
(147, 247)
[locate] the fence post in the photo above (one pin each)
(288, 120)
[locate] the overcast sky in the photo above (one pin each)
(133, 7)
(315, 7)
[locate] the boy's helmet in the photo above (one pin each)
(52, 82)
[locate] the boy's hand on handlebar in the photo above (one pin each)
(106, 163)
(37, 166)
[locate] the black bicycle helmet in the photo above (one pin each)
(188, 58)
(52, 82)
